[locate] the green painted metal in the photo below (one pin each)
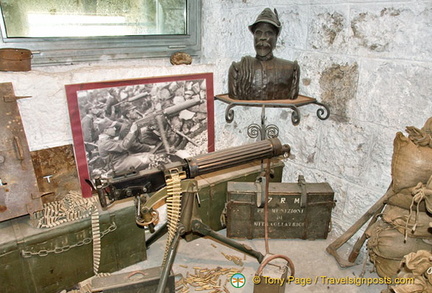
(143, 281)
(56, 267)
(286, 216)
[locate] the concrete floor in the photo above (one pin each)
(310, 259)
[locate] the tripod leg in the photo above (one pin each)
(201, 228)
(167, 266)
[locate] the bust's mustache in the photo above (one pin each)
(262, 44)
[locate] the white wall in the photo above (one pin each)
(369, 61)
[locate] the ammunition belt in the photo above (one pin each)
(173, 202)
(96, 235)
(70, 208)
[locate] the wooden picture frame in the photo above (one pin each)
(174, 117)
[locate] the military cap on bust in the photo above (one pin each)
(267, 16)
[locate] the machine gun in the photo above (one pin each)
(175, 185)
(160, 116)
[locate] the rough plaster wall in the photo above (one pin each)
(45, 115)
(369, 61)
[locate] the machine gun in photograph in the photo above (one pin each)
(160, 120)
(175, 185)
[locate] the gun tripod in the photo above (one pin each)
(166, 183)
(190, 222)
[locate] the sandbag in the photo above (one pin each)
(403, 199)
(415, 265)
(409, 223)
(421, 136)
(387, 242)
(411, 164)
(420, 285)
(384, 267)
(423, 193)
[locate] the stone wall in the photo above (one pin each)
(369, 61)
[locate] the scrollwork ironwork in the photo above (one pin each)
(229, 113)
(272, 131)
(323, 114)
(254, 130)
(295, 116)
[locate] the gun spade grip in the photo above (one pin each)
(206, 163)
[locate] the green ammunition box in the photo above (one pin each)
(213, 188)
(287, 216)
(143, 281)
(50, 260)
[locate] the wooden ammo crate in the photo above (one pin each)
(122, 245)
(286, 217)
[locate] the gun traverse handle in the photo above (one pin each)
(100, 192)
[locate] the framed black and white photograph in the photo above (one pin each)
(126, 126)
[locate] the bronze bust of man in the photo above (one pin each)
(264, 77)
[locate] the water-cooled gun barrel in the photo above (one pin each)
(207, 163)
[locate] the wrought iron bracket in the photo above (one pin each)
(263, 131)
(322, 113)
